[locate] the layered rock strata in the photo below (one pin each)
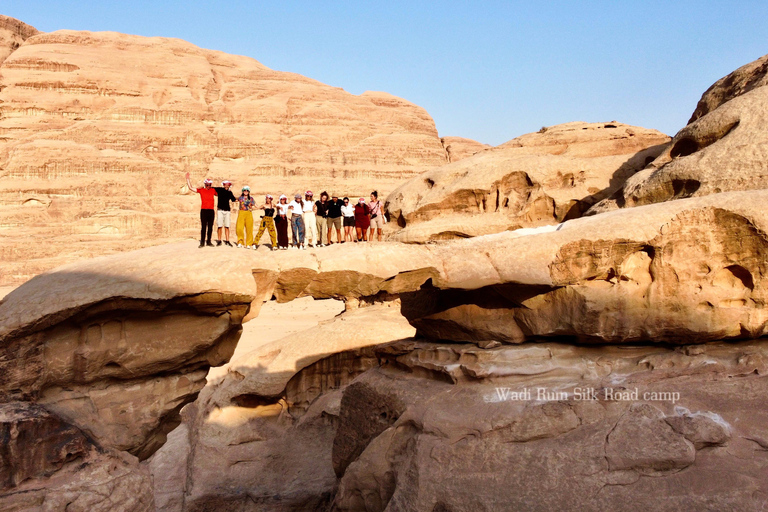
(93, 156)
(534, 180)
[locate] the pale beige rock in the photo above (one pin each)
(747, 77)
(665, 272)
(93, 157)
(458, 148)
(723, 148)
(536, 179)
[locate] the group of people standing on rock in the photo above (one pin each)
(312, 222)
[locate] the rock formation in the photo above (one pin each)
(262, 435)
(534, 180)
(93, 156)
(12, 34)
(723, 148)
(678, 284)
(458, 148)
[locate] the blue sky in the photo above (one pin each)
(489, 71)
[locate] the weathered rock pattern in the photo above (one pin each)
(261, 437)
(93, 157)
(12, 34)
(723, 148)
(747, 77)
(555, 427)
(677, 273)
(536, 179)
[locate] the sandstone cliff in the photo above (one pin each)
(98, 129)
(536, 179)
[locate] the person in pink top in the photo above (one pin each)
(207, 212)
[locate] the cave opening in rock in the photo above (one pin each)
(684, 147)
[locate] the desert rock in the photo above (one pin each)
(722, 149)
(610, 429)
(536, 179)
(12, 34)
(93, 157)
(266, 427)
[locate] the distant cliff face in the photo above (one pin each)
(97, 130)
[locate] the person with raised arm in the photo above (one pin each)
(207, 214)
(377, 216)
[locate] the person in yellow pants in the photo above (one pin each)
(267, 222)
(245, 218)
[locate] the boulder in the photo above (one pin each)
(534, 180)
(723, 148)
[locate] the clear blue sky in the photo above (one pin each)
(489, 70)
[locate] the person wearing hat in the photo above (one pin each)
(223, 210)
(296, 207)
(267, 223)
(207, 215)
(321, 210)
(334, 217)
(310, 221)
(281, 222)
(245, 218)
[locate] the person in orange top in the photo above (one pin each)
(207, 212)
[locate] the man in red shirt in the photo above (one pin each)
(207, 212)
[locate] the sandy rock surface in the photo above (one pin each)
(536, 179)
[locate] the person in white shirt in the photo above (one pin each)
(310, 220)
(348, 212)
(296, 209)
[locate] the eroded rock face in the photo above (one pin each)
(723, 148)
(93, 157)
(537, 179)
(260, 437)
(12, 34)
(463, 428)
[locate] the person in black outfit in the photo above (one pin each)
(223, 210)
(334, 217)
(322, 217)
